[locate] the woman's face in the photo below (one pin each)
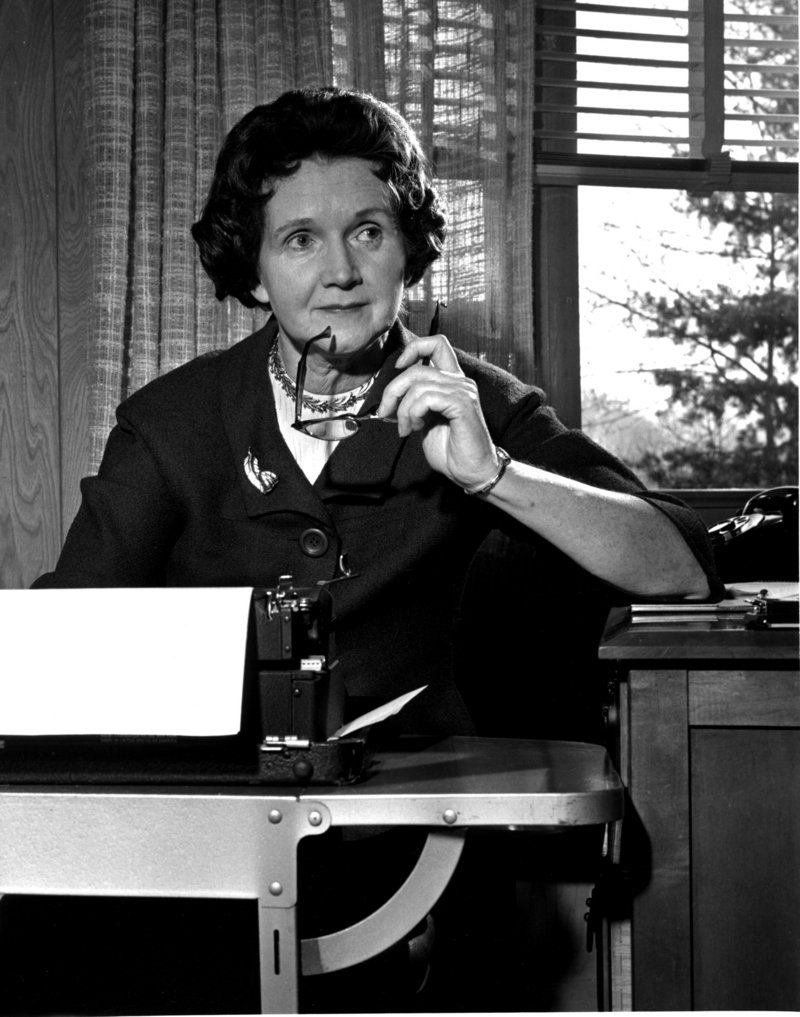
(331, 254)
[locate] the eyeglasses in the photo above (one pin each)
(334, 428)
(342, 425)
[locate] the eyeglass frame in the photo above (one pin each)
(357, 419)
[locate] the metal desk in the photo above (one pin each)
(242, 842)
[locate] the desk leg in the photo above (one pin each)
(277, 937)
(279, 947)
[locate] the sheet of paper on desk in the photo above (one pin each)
(781, 590)
(738, 600)
(122, 661)
(377, 715)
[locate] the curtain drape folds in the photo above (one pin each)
(166, 79)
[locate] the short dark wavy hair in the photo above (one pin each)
(270, 142)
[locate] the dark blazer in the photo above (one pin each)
(172, 505)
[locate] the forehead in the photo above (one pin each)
(327, 189)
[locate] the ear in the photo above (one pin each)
(260, 294)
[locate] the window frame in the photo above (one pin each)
(559, 171)
(556, 260)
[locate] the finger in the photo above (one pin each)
(418, 378)
(435, 347)
(447, 396)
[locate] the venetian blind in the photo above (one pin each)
(705, 79)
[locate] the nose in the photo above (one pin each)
(341, 267)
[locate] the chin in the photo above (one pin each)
(349, 341)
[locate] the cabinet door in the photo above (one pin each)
(745, 807)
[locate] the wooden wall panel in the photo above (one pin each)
(44, 282)
(73, 253)
(29, 423)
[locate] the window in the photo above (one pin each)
(666, 233)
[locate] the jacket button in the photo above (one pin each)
(313, 542)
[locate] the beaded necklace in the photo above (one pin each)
(336, 404)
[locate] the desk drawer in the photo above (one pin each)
(744, 698)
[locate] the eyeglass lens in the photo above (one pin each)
(337, 428)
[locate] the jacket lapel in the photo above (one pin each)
(247, 408)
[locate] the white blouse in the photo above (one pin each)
(311, 453)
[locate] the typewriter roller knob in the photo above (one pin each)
(303, 769)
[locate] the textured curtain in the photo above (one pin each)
(166, 79)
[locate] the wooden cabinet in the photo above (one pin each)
(709, 749)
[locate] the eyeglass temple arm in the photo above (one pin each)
(300, 381)
(434, 326)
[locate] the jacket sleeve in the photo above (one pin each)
(126, 522)
(533, 434)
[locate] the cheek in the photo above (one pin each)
(291, 285)
(393, 270)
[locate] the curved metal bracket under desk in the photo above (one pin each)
(396, 918)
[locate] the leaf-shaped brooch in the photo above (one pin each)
(262, 480)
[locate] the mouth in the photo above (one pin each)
(340, 308)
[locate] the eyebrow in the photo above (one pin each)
(305, 221)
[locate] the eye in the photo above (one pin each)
(370, 234)
(300, 242)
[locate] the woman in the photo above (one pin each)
(321, 210)
(334, 444)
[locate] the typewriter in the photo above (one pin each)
(300, 699)
(292, 700)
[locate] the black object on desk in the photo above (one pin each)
(761, 541)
